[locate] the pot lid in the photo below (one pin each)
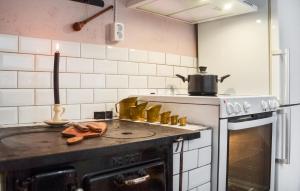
(203, 71)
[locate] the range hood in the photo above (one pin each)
(194, 11)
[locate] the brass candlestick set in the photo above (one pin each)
(131, 109)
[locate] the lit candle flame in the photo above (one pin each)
(57, 47)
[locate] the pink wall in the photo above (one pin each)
(53, 18)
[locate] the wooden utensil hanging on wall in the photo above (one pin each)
(79, 25)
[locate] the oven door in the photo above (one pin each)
(150, 177)
(250, 153)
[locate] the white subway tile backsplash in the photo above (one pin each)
(82, 65)
(147, 69)
(156, 82)
(157, 57)
(105, 67)
(93, 51)
(87, 110)
(92, 81)
(204, 141)
(204, 156)
(192, 158)
(16, 97)
(12, 61)
(31, 114)
(34, 79)
(184, 182)
(124, 93)
(187, 61)
(8, 79)
(69, 80)
(164, 70)
(116, 81)
(173, 82)
(138, 55)
(105, 95)
(75, 96)
(173, 59)
(67, 48)
(180, 70)
(204, 187)
(111, 107)
(138, 82)
(46, 63)
(8, 43)
(165, 92)
(8, 115)
(195, 62)
(46, 96)
(129, 68)
(191, 71)
(199, 176)
(116, 53)
(72, 112)
(34, 45)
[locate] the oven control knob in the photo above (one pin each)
(247, 106)
(237, 108)
(229, 108)
(264, 105)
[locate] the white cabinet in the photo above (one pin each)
(196, 163)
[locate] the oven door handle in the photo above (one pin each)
(137, 180)
(235, 126)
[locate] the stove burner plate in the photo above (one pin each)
(128, 133)
(35, 138)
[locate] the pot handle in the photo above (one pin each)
(184, 79)
(224, 77)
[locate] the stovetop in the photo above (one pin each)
(24, 147)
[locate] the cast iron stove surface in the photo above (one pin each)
(30, 147)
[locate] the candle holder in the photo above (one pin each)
(57, 116)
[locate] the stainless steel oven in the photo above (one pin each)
(247, 152)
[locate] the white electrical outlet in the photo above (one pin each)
(117, 32)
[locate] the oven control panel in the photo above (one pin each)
(238, 106)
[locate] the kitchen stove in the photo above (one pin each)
(244, 135)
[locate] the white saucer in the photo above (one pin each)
(57, 123)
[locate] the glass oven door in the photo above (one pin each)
(149, 177)
(250, 153)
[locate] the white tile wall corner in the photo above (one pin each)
(69, 80)
(67, 48)
(164, 70)
(34, 79)
(45, 96)
(8, 79)
(46, 63)
(92, 81)
(31, 114)
(9, 43)
(105, 67)
(8, 115)
(93, 51)
(116, 53)
(173, 59)
(138, 82)
(138, 55)
(12, 61)
(34, 45)
(157, 57)
(87, 110)
(76, 96)
(116, 81)
(187, 61)
(91, 75)
(16, 97)
(199, 176)
(130, 68)
(147, 69)
(105, 95)
(82, 65)
(156, 82)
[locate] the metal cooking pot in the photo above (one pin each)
(202, 83)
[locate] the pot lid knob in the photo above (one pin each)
(202, 69)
